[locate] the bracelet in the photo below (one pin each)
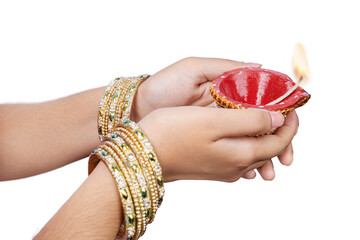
(130, 158)
(120, 90)
(119, 106)
(139, 181)
(124, 192)
(151, 205)
(131, 94)
(116, 102)
(109, 91)
(147, 151)
(132, 185)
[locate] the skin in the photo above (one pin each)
(187, 83)
(215, 154)
(52, 134)
(40, 137)
(93, 212)
(221, 152)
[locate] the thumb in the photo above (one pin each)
(244, 122)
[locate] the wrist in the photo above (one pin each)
(140, 106)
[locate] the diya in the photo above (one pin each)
(258, 88)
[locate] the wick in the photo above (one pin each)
(288, 93)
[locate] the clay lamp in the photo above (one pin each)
(258, 88)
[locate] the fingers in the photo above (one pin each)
(249, 175)
(267, 171)
(237, 123)
(210, 68)
(273, 145)
(205, 98)
(286, 158)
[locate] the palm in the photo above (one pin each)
(185, 83)
(177, 91)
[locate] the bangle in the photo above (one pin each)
(116, 102)
(136, 173)
(151, 205)
(119, 105)
(131, 159)
(147, 151)
(124, 192)
(131, 94)
(103, 105)
(132, 185)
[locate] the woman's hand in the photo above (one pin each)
(214, 144)
(187, 83)
(184, 83)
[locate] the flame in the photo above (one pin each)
(300, 64)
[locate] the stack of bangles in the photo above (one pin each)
(129, 156)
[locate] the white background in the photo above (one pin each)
(50, 49)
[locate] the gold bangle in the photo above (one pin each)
(131, 183)
(105, 105)
(129, 156)
(124, 191)
(147, 151)
(140, 181)
(145, 165)
(131, 94)
(116, 102)
(119, 110)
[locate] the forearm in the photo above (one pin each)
(36, 138)
(93, 212)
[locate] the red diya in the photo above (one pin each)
(256, 88)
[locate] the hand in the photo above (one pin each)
(214, 144)
(184, 83)
(187, 83)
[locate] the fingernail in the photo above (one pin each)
(277, 120)
(253, 64)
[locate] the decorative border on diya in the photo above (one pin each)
(224, 103)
